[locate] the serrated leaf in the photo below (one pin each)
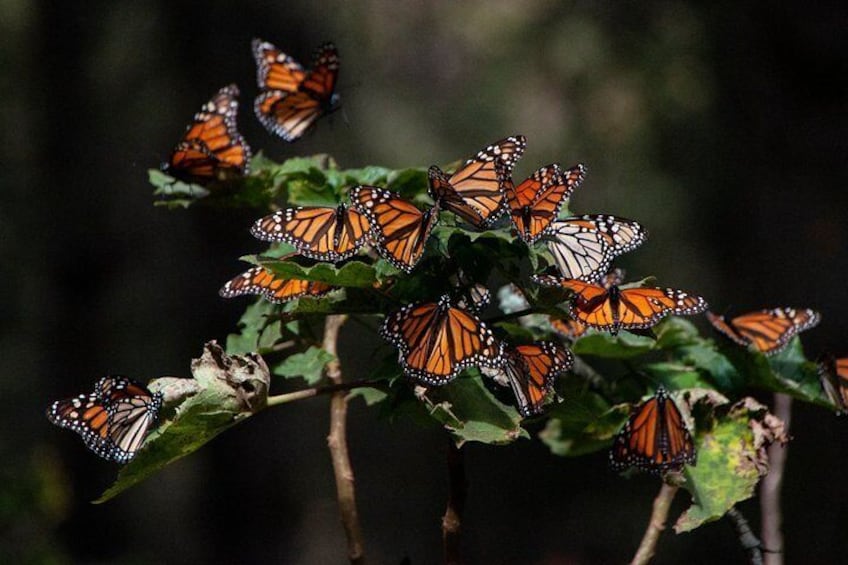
(582, 423)
(371, 396)
(409, 183)
(218, 403)
(352, 274)
(309, 365)
(255, 330)
(471, 413)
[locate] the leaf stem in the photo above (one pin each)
(337, 443)
(749, 541)
(770, 533)
(321, 390)
(656, 524)
(458, 491)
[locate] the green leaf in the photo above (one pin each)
(410, 183)
(309, 365)
(471, 413)
(622, 346)
(726, 472)
(582, 423)
(228, 390)
(174, 193)
(353, 273)
(256, 332)
(371, 396)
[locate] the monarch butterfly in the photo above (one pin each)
(531, 371)
(211, 148)
(571, 328)
(475, 191)
(293, 98)
(400, 230)
(319, 232)
(535, 203)
(833, 376)
(584, 246)
(436, 341)
(613, 309)
(113, 420)
(654, 439)
(262, 281)
(768, 331)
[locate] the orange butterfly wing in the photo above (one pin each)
(532, 370)
(437, 341)
(293, 99)
(536, 202)
(655, 438)
(211, 148)
(768, 331)
(833, 376)
(319, 232)
(475, 191)
(263, 282)
(400, 229)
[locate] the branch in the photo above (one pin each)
(337, 442)
(749, 541)
(656, 524)
(452, 520)
(771, 535)
(326, 389)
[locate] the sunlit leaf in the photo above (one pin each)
(309, 365)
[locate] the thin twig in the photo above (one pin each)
(337, 442)
(327, 389)
(511, 316)
(452, 520)
(771, 534)
(749, 541)
(656, 525)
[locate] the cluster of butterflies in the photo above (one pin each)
(437, 340)
(290, 101)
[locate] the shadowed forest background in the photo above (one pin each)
(722, 129)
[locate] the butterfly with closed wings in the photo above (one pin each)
(293, 98)
(655, 438)
(769, 330)
(211, 149)
(475, 191)
(113, 420)
(833, 376)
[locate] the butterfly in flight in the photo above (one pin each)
(583, 247)
(113, 420)
(261, 281)
(654, 439)
(399, 229)
(318, 232)
(474, 192)
(535, 203)
(531, 371)
(292, 97)
(436, 341)
(768, 330)
(572, 329)
(613, 309)
(833, 376)
(211, 149)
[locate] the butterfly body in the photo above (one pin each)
(436, 341)
(113, 420)
(768, 330)
(833, 376)
(319, 232)
(292, 97)
(655, 438)
(399, 229)
(613, 309)
(211, 149)
(474, 192)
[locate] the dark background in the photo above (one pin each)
(722, 129)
